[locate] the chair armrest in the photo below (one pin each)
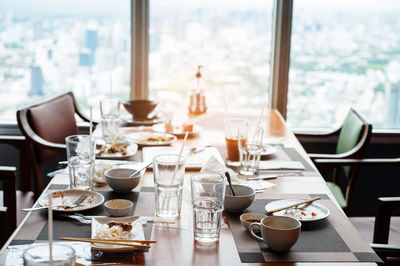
(320, 135)
(42, 143)
(316, 156)
(16, 141)
(385, 250)
(357, 162)
(385, 206)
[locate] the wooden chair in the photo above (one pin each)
(45, 127)
(385, 205)
(352, 139)
(8, 212)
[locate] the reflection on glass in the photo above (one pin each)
(231, 39)
(51, 46)
(344, 53)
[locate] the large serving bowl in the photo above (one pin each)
(118, 179)
(244, 197)
(140, 109)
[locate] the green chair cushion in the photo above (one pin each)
(337, 192)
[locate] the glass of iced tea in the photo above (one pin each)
(235, 129)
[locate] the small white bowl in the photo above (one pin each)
(251, 217)
(118, 179)
(244, 197)
(118, 207)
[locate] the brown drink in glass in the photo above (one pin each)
(234, 127)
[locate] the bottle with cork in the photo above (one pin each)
(197, 103)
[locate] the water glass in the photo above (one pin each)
(234, 129)
(169, 173)
(250, 149)
(39, 255)
(110, 120)
(208, 193)
(80, 154)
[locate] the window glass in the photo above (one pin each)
(50, 46)
(230, 39)
(344, 53)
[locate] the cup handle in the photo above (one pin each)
(252, 233)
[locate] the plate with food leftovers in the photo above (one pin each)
(121, 228)
(304, 213)
(116, 150)
(178, 130)
(152, 138)
(60, 197)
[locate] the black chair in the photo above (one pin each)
(390, 254)
(352, 139)
(45, 127)
(8, 210)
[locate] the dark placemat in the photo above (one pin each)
(64, 226)
(318, 242)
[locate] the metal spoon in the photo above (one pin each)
(229, 181)
(137, 171)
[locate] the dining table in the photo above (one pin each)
(332, 241)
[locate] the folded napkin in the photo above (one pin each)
(214, 165)
(280, 165)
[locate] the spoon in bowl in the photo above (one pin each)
(137, 171)
(229, 181)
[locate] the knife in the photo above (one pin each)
(270, 176)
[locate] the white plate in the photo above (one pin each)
(130, 150)
(93, 200)
(268, 150)
(178, 130)
(136, 233)
(313, 212)
(142, 138)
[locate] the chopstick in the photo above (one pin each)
(112, 241)
(293, 205)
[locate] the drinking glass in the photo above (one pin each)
(234, 128)
(80, 154)
(208, 193)
(110, 120)
(250, 148)
(169, 173)
(39, 255)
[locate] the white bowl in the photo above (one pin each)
(118, 179)
(251, 217)
(244, 197)
(118, 207)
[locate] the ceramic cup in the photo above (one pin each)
(280, 233)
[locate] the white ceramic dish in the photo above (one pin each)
(177, 131)
(130, 151)
(118, 179)
(268, 150)
(251, 217)
(152, 138)
(136, 233)
(93, 200)
(118, 207)
(244, 197)
(311, 213)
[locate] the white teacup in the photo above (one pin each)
(280, 233)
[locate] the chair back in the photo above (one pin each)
(354, 137)
(52, 120)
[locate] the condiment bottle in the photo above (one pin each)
(197, 103)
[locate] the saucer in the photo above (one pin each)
(130, 121)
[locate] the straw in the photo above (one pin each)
(111, 88)
(50, 218)
(91, 131)
(179, 156)
(259, 120)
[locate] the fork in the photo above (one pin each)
(73, 204)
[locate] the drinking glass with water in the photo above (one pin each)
(250, 148)
(169, 173)
(81, 156)
(208, 194)
(110, 120)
